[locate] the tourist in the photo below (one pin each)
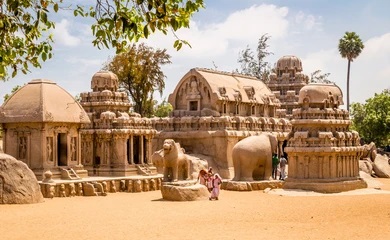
(216, 182)
(283, 162)
(202, 177)
(209, 179)
(275, 163)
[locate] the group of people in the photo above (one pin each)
(212, 181)
(279, 167)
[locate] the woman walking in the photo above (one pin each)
(216, 181)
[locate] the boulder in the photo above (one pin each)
(184, 193)
(381, 166)
(365, 165)
(18, 184)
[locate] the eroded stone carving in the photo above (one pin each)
(252, 157)
(138, 185)
(175, 161)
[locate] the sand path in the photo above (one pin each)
(237, 215)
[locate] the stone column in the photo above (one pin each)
(131, 149)
(141, 146)
(78, 141)
(149, 149)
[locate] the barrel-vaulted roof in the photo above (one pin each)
(42, 101)
(228, 86)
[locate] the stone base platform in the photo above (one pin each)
(184, 191)
(251, 186)
(99, 186)
(325, 187)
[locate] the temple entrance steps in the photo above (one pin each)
(69, 174)
(144, 170)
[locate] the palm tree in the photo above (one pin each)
(350, 46)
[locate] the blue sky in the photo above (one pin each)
(307, 29)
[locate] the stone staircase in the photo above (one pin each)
(69, 174)
(144, 170)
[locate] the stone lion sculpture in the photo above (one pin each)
(176, 163)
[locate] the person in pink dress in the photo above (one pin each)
(202, 177)
(216, 182)
(209, 179)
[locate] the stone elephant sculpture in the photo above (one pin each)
(252, 157)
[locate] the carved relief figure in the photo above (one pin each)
(122, 186)
(73, 156)
(49, 149)
(153, 185)
(137, 186)
(22, 147)
(158, 184)
(252, 157)
(104, 184)
(113, 187)
(50, 190)
(80, 189)
(72, 190)
(146, 185)
(130, 186)
(174, 159)
(194, 86)
(62, 190)
(88, 154)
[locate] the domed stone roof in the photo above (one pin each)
(318, 93)
(104, 80)
(42, 100)
(289, 62)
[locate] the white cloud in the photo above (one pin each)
(308, 21)
(63, 36)
(370, 71)
(238, 29)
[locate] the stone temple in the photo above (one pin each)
(41, 124)
(114, 143)
(213, 110)
(323, 153)
(286, 84)
(96, 145)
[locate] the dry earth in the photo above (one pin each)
(362, 214)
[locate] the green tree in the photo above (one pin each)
(350, 46)
(139, 73)
(372, 119)
(14, 89)
(25, 26)
(163, 109)
(256, 65)
(318, 77)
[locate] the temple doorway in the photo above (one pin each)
(62, 149)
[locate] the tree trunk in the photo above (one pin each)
(349, 67)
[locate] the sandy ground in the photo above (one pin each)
(278, 214)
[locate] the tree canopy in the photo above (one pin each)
(25, 26)
(14, 89)
(318, 77)
(350, 47)
(256, 66)
(372, 119)
(139, 73)
(163, 109)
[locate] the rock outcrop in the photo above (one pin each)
(18, 184)
(381, 166)
(184, 193)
